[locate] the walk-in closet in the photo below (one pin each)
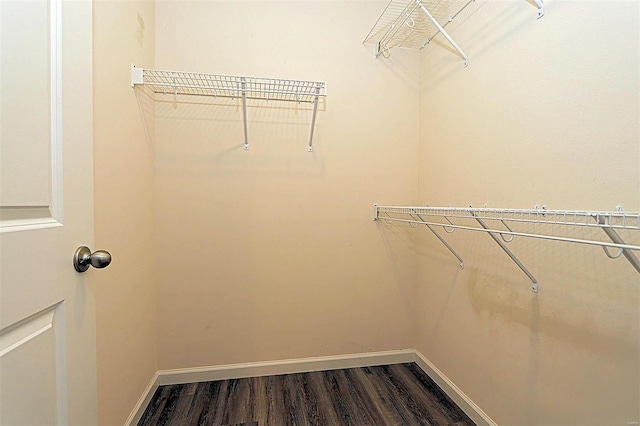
(330, 201)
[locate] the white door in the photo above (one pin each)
(47, 315)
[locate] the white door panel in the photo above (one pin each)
(27, 348)
(47, 313)
(25, 103)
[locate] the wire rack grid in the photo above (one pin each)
(403, 24)
(199, 84)
(234, 87)
(590, 219)
(496, 223)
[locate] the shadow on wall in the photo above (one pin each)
(499, 26)
(147, 108)
(552, 333)
(199, 135)
(496, 300)
(586, 300)
(403, 262)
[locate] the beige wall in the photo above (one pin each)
(269, 253)
(125, 291)
(546, 113)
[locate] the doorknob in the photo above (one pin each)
(83, 258)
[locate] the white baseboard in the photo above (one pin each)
(463, 401)
(141, 405)
(287, 366)
(303, 365)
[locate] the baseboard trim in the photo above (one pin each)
(141, 405)
(287, 366)
(303, 365)
(460, 398)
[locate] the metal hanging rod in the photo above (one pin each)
(414, 23)
(609, 222)
(224, 86)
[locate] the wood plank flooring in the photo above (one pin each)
(399, 394)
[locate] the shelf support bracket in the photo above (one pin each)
(137, 76)
(444, 33)
(534, 282)
(243, 89)
(313, 118)
(540, 5)
(443, 241)
(615, 237)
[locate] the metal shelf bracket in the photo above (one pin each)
(540, 6)
(534, 282)
(615, 237)
(313, 119)
(443, 32)
(243, 89)
(443, 241)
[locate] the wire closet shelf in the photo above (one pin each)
(500, 225)
(235, 87)
(414, 23)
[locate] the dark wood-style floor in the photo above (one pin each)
(400, 394)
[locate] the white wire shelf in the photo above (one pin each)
(498, 224)
(414, 23)
(235, 87)
(616, 220)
